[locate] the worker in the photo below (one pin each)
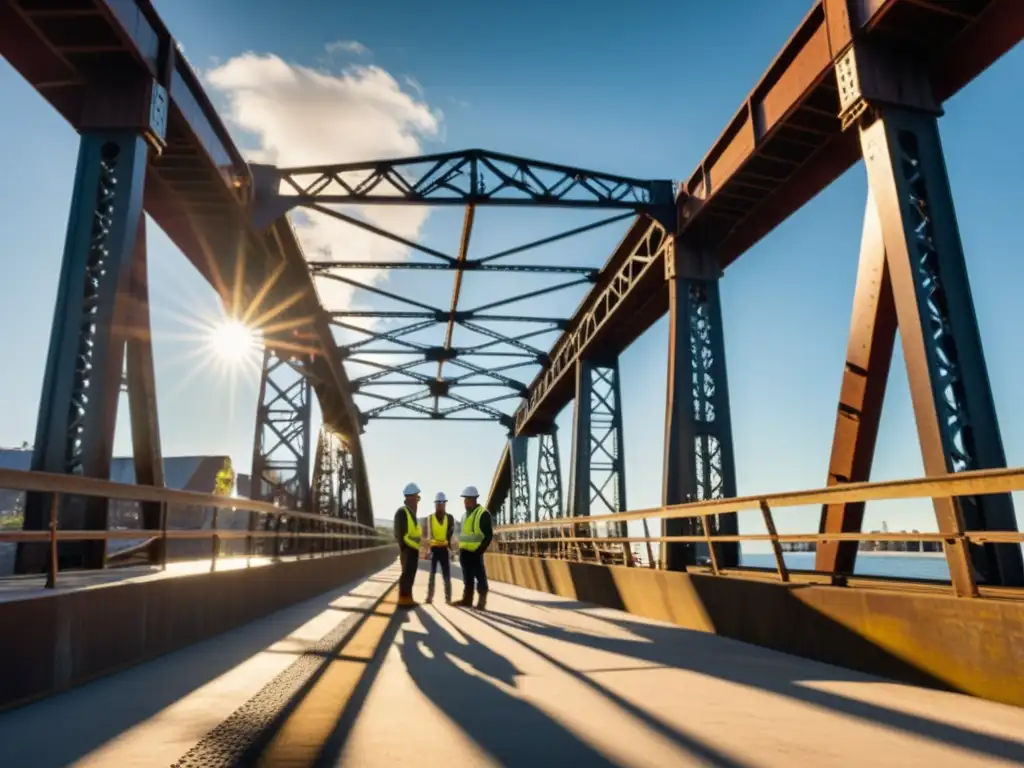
(407, 533)
(440, 525)
(474, 539)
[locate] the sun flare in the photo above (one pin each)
(232, 341)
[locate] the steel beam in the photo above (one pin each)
(549, 504)
(333, 484)
(950, 391)
(699, 458)
(281, 455)
(81, 385)
(520, 496)
(861, 394)
(597, 481)
(140, 376)
(468, 177)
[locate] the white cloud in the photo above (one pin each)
(302, 116)
(353, 47)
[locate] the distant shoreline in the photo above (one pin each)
(867, 553)
(901, 554)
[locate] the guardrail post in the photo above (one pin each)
(53, 564)
(215, 539)
(769, 524)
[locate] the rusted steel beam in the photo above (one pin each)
(868, 359)
(785, 142)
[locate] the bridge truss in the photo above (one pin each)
(405, 363)
(857, 80)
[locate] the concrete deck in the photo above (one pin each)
(345, 680)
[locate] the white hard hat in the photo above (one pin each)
(470, 492)
(440, 496)
(411, 490)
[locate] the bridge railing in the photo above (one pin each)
(201, 518)
(569, 537)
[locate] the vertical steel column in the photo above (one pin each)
(281, 456)
(861, 395)
(325, 477)
(520, 493)
(82, 380)
(699, 458)
(334, 482)
(949, 386)
(598, 474)
(348, 494)
(549, 503)
(579, 474)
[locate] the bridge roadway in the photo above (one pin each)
(347, 680)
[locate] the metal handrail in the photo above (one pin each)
(973, 483)
(60, 486)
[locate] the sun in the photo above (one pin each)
(233, 341)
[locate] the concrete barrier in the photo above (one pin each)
(968, 645)
(52, 643)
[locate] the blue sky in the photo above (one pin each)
(575, 84)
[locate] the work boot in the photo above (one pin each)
(430, 597)
(465, 602)
(481, 603)
(406, 601)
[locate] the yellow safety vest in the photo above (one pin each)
(412, 530)
(439, 531)
(471, 538)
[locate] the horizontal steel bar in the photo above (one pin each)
(68, 485)
(974, 483)
(318, 267)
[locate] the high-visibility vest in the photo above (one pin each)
(471, 538)
(412, 530)
(438, 531)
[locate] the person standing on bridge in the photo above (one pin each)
(474, 539)
(441, 525)
(407, 534)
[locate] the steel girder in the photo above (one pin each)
(925, 271)
(699, 457)
(861, 394)
(549, 501)
(281, 451)
(598, 475)
(334, 484)
(638, 263)
(85, 363)
(471, 178)
(468, 177)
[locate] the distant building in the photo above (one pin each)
(899, 546)
(799, 546)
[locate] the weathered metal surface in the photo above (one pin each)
(862, 392)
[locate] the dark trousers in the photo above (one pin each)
(440, 556)
(410, 562)
(472, 571)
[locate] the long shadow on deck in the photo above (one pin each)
(137, 694)
(738, 662)
(495, 720)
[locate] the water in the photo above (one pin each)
(896, 565)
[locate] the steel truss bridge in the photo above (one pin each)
(859, 80)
